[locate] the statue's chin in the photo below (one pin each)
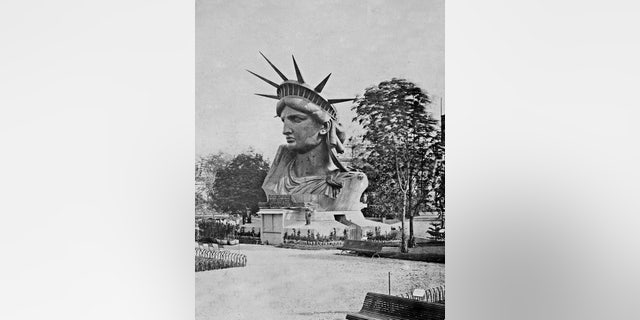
(292, 146)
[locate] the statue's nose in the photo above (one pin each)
(286, 129)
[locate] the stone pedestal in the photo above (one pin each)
(308, 214)
(275, 222)
(319, 222)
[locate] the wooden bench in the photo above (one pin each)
(366, 247)
(378, 306)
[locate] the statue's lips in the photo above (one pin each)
(289, 140)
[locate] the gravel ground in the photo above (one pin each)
(286, 284)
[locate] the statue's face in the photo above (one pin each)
(301, 130)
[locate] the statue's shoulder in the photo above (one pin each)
(283, 155)
(277, 170)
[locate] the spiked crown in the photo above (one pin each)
(293, 88)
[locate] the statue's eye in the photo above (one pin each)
(295, 119)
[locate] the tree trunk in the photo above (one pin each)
(411, 212)
(403, 246)
(411, 239)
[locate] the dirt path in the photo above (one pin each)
(303, 284)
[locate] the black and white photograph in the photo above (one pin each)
(300, 147)
(320, 160)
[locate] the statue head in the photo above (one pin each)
(303, 132)
(309, 120)
(307, 126)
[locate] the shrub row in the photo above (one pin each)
(249, 240)
(211, 230)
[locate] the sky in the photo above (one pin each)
(361, 43)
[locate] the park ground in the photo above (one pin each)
(280, 283)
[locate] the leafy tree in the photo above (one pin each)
(206, 170)
(438, 181)
(238, 186)
(378, 196)
(200, 201)
(399, 154)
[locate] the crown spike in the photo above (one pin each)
(267, 96)
(332, 101)
(320, 86)
(265, 79)
(298, 74)
(274, 68)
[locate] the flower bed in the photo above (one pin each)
(310, 245)
(309, 237)
(387, 243)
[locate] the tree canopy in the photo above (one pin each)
(399, 147)
(206, 170)
(238, 186)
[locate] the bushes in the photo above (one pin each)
(212, 230)
(207, 240)
(217, 230)
(244, 233)
(393, 235)
(436, 231)
(250, 237)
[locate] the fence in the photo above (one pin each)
(207, 259)
(435, 294)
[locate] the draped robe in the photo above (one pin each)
(335, 191)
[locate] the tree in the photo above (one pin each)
(399, 147)
(238, 186)
(206, 170)
(438, 181)
(378, 195)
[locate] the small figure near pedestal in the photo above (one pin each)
(308, 212)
